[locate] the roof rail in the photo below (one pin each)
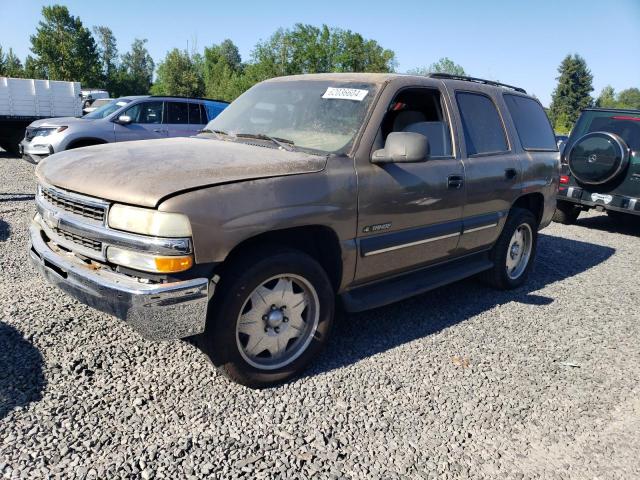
(188, 98)
(450, 76)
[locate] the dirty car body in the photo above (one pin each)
(268, 173)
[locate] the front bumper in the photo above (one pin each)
(34, 151)
(580, 196)
(156, 311)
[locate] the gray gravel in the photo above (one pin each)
(463, 382)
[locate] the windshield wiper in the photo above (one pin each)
(283, 143)
(217, 132)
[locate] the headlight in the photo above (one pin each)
(45, 132)
(149, 222)
(148, 262)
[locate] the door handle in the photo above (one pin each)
(455, 181)
(510, 173)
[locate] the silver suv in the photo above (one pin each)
(127, 118)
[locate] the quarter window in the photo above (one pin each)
(481, 123)
(178, 112)
(532, 124)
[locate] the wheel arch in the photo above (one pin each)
(534, 202)
(85, 142)
(318, 241)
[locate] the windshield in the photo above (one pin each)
(108, 109)
(322, 116)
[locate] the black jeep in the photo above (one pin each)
(601, 165)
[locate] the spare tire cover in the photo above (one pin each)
(598, 158)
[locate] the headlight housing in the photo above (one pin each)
(46, 131)
(148, 222)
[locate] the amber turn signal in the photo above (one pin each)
(173, 264)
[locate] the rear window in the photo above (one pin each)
(483, 130)
(532, 124)
(194, 114)
(624, 125)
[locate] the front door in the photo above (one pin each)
(146, 122)
(410, 214)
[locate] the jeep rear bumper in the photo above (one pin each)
(580, 196)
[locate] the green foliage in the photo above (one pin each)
(444, 65)
(179, 74)
(10, 65)
(134, 74)
(64, 48)
(309, 49)
(572, 94)
(223, 71)
(607, 98)
(108, 56)
(629, 98)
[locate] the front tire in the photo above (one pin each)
(271, 315)
(514, 252)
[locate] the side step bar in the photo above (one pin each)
(414, 283)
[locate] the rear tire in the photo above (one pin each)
(514, 252)
(250, 310)
(566, 213)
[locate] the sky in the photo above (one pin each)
(517, 42)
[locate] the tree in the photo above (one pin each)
(178, 74)
(572, 94)
(607, 98)
(629, 98)
(135, 72)
(108, 56)
(33, 69)
(309, 49)
(223, 71)
(444, 65)
(13, 65)
(64, 48)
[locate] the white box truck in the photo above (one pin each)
(23, 100)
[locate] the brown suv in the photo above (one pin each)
(365, 188)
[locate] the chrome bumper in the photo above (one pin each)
(156, 311)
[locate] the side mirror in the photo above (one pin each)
(402, 147)
(124, 120)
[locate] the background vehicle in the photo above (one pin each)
(601, 165)
(24, 100)
(96, 104)
(369, 188)
(90, 95)
(127, 118)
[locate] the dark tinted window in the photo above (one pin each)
(178, 112)
(194, 114)
(483, 131)
(626, 126)
(213, 109)
(145, 112)
(531, 123)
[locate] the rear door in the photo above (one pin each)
(146, 122)
(492, 169)
(178, 118)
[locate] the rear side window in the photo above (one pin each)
(532, 124)
(178, 112)
(213, 109)
(483, 130)
(194, 114)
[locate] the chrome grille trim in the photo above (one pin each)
(75, 204)
(79, 239)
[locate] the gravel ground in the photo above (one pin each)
(463, 382)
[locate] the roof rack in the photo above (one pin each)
(189, 98)
(450, 76)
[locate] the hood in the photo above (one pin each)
(58, 122)
(144, 172)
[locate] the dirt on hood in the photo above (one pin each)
(144, 172)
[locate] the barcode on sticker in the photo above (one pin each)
(356, 94)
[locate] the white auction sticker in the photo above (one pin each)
(356, 94)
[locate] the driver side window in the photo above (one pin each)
(418, 110)
(145, 112)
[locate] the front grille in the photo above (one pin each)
(79, 239)
(73, 206)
